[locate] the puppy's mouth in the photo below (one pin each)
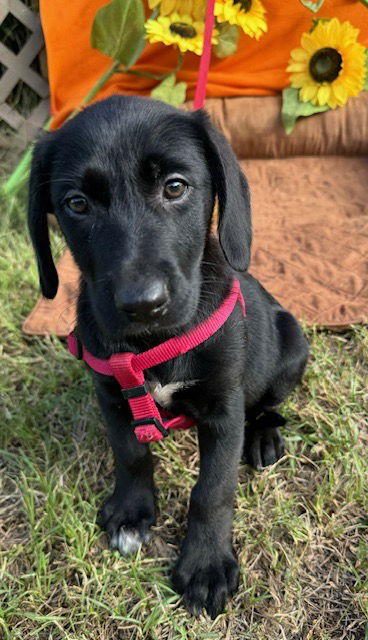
(166, 319)
(169, 318)
(153, 316)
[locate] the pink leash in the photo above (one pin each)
(149, 422)
(204, 65)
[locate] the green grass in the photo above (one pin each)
(300, 528)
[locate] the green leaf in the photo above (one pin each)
(313, 6)
(365, 86)
(118, 31)
(228, 40)
(292, 108)
(169, 92)
(365, 2)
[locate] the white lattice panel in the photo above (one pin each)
(18, 68)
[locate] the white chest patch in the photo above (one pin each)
(163, 394)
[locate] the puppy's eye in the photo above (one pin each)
(78, 204)
(174, 189)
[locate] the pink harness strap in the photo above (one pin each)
(149, 421)
(200, 93)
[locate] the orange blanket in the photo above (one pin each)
(258, 67)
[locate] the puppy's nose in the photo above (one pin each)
(145, 302)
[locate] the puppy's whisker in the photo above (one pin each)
(212, 264)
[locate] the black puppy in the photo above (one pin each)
(133, 183)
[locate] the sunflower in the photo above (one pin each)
(183, 31)
(194, 8)
(329, 67)
(248, 14)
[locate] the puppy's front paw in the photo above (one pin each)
(205, 579)
(127, 521)
(263, 442)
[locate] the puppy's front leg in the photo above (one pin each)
(128, 514)
(207, 570)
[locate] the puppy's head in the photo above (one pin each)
(132, 183)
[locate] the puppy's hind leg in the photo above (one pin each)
(263, 443)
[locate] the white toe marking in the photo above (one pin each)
(128, 541)
(163, 394)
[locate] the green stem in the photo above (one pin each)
(153, 76)
(179, 63)
(20, 174)
(143, 74)
(95, 89)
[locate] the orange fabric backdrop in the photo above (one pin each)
(258, 67)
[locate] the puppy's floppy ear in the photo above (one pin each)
(38, 207)
(235, 232)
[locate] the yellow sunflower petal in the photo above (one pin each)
(333, 102)
(308, 92)
(299, 55)
(198, 9)
(340, 93)
(296, 66)
(299, 79)
(323, 94)
(167, 7)
(332, 31)
(194, 8)
(186, 7)
(309, 43)
(348, 32)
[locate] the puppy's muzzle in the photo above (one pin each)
(143, 303)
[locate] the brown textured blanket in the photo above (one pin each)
(310, 212)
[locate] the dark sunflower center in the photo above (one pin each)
(183, 29)
(325, 65)
(245, 4)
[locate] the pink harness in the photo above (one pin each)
(151, 422)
